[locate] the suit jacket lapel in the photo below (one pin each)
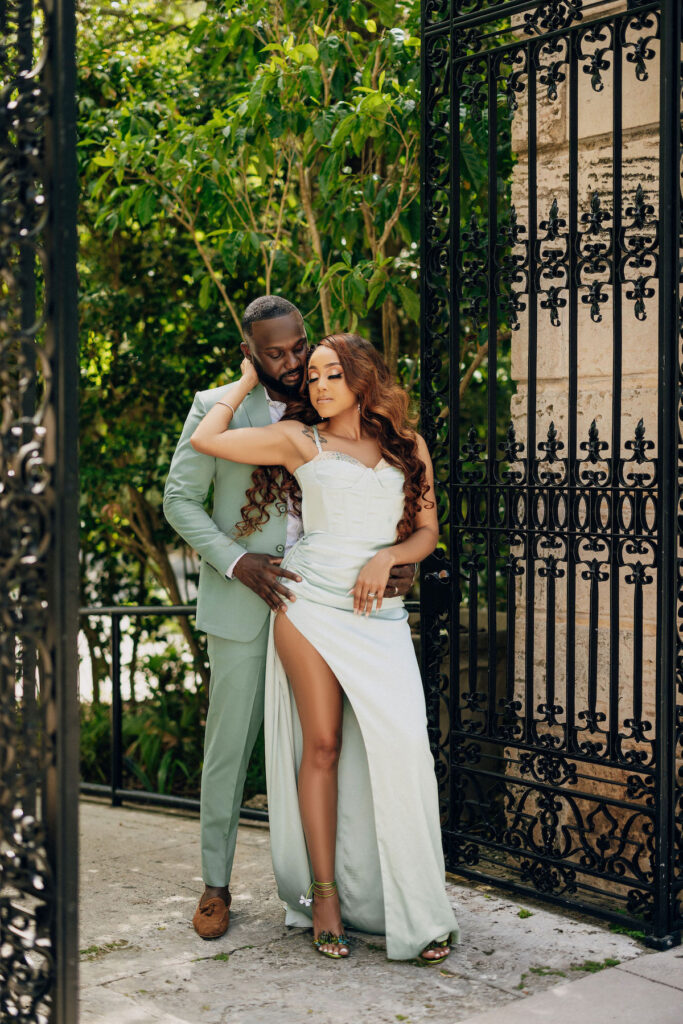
(255, 407)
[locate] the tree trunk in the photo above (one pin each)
(98, 661)
(390, 334)
(307, 203)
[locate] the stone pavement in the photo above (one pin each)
(141, 962)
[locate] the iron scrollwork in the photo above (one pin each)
(33, 453)
(552, 525)
(26, 884)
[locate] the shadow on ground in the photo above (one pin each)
(142, 963)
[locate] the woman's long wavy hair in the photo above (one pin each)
(384, 412)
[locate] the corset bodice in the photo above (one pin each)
(343, 497)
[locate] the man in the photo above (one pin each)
(239, 582)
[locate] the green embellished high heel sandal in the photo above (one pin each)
(441, 947)
(323, 890)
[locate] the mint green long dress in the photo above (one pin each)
(389, 861)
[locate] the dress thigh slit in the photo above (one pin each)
(389, 860)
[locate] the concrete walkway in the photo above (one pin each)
(141, 962)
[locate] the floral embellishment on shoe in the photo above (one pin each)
(306, 899)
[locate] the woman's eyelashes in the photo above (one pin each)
(332, 376)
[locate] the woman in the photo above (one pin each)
(355, 832)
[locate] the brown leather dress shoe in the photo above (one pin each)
(211, 918)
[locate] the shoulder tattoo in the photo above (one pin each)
(307, 432)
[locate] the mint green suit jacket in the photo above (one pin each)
(225, 608)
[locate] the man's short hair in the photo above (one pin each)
(266, 307)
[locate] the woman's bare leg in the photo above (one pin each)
(319, 701)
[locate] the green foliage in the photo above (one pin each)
(228, 150)
(217, 162)
(163, 741)
(296, 170)
(163, 736)
(620, 929)
(95, 742)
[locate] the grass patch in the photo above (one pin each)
(620, 929)
(217, 956)
(94, 952)
(543, 972)
(523, 913)
(593, 966)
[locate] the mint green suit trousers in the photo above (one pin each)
(234, 618)
(232, 724)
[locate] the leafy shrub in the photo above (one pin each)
(95, 742)
(163, 735)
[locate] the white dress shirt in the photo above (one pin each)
(295, 527)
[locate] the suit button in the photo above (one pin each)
(280, 548)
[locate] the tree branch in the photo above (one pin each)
(307, 203)
(398, 209)
(479, 357)
(185, 219)
(278, 226)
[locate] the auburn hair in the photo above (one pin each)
(384, 414)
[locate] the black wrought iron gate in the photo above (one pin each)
(551, 399)
(38, 513)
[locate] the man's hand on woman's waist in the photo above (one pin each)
(261, 574)
(400, 580)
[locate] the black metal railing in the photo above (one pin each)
(116, 792)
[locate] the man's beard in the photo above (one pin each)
(280, 387)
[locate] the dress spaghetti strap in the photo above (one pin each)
(317, 440)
